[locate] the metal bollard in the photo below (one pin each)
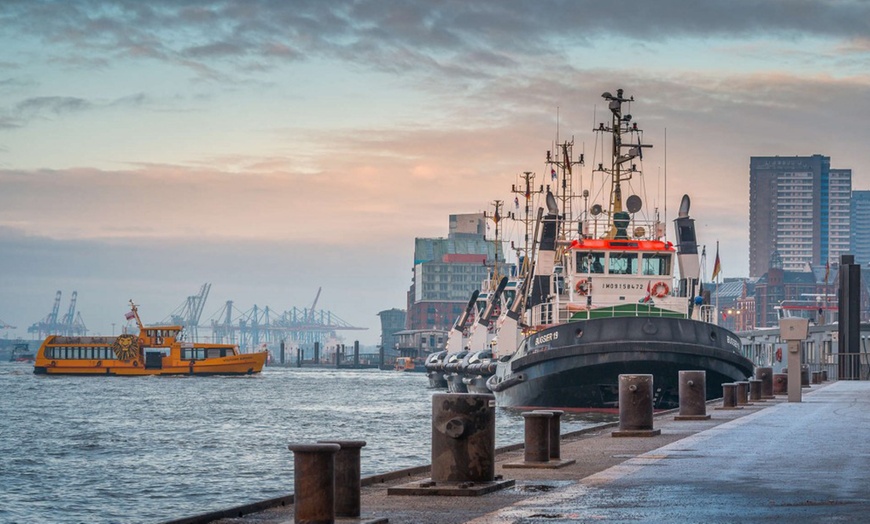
(463, 437)
(347, 477)
(314, 483)
(636, 407)
(766, 377)
(537, 441)
(556, 434)
(729, 396)
(693, 395)
(805, 375)
(780, 384)
(755, 386)
(816, 377)
(824, 375)
(742, 393)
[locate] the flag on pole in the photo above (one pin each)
(648, 296)
(553, 173)
(130, 315)
(517, 202)
(827, 271)
(717, 266)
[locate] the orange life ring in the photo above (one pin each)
(582, 286)
(660, 289)
(779, 354)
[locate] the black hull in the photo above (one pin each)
(578, 364)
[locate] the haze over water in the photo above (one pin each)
(150, 449)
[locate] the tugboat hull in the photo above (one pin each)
(577, 365)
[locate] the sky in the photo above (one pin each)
(271, 148)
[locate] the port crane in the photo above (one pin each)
(70, 324)
(189, 313)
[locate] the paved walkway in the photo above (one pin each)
(770, 462)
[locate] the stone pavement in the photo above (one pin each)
(772, 461)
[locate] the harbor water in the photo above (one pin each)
(149, 449)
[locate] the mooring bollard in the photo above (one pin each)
(805, 375)
(729, 396)
(314, 483)
(742, 392)
(693, 395)
(755, 386)
(463, 437)
(765, 375)
(537, 437)
(636, 407)
(824, 375)
(555, 433)
(780, 384)
(347, 477)
(816, 377)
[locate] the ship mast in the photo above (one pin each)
(621, 125)
(135, 310)
(527, 219)
(496, 219)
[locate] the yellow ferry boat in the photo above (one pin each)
(157, 350)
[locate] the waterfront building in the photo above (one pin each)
(860, 231)
(392, 321)
(799, 207)
(448, 270)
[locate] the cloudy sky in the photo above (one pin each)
(274, 147)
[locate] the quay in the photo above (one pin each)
(769, 461)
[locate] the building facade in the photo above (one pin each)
(860, 232)
(448, 270)
(800, 208)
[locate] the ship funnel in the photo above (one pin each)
(552, 206)
(685, 203)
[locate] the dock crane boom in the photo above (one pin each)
(314, 305)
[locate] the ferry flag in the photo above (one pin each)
(717, 266)
(130, 315)
(553, 173)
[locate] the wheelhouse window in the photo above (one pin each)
(590, 262)
(623, 264)
(656, 264)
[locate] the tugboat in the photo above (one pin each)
(21, 353)
(156, 350)
(604, 303)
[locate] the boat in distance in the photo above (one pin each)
(603, 300)
(156, 350)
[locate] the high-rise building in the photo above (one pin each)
(799, 207)
(860, 234)
(448, 270)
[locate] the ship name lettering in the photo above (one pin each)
(546, 338)
(733, 341)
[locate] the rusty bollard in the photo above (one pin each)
(555, 433)
(693, 395)
(636, 407)
(742, 393)
(314, 483)
(537, 441)
(755, 386)
(765, 375)
(463, 437)
(347, 477)
(780, 384)
(816, 377)
(729, 396)
(824, 375)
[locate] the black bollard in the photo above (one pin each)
(729, 396)
(347, 477)
(282, 352)
(317, 352)
(636, 407)
(824, 375)
(816, 377)
(356, 353)
(755, 390)
(537, 436)
(314, 483)
(693, 395)
(765, 375)
(780, 384)
(805, 375)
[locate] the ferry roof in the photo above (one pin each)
(621, 245)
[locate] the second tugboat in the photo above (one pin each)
(601, 304)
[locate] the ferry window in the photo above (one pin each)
(593, 261)
(584, 260)
(656, 264)
(623, 264)
(213, 352)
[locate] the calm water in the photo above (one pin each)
(148, 449)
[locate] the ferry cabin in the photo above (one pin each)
(155, 351)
